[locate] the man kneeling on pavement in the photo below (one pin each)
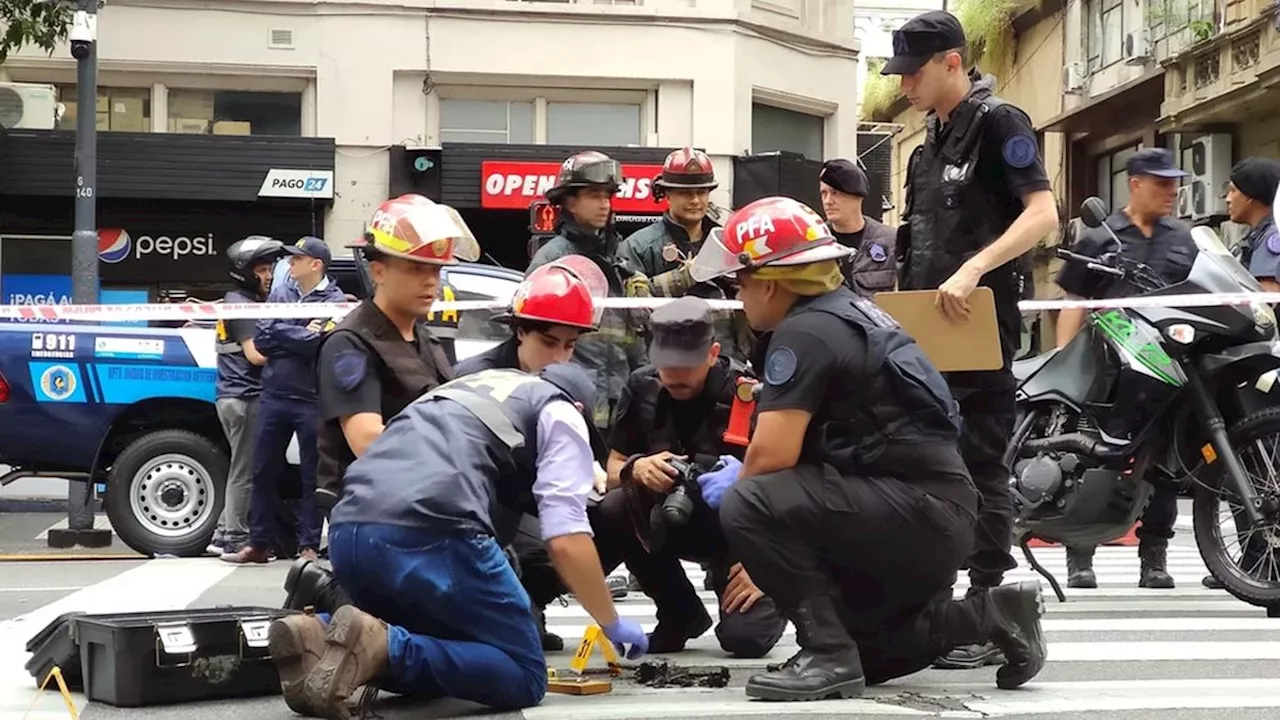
(675, 413)
(438, 609)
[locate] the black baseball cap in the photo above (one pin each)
(682, 333)
(845, 176)
(922, 37)
(311, 246)
(1154, 161)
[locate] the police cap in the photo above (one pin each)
(922, 37)
(682, 333)
(1157, 162)
(845, 176)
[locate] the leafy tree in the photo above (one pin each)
(32, 22)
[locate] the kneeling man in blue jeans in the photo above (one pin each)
(438, 610)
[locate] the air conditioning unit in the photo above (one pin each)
(26, 106)
(1074, 77)
(1136, 48)
(1185, 208)
(1208, 159)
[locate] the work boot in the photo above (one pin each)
(671, 637)
(550, 641)
(633, 584)
(310, 585)
(827, 666)
(296, 643)
(1009, 616)
(1212, 583)
(1080, 567)
(355, 653)
(1152, 573)
(973, 656)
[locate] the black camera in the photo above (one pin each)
(677, 507)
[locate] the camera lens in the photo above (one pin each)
(677, 507)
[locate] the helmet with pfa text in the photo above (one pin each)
(562, 292)
(414, 228)
(769, 231)
(586, 169)
(244, 255)
(685, 169)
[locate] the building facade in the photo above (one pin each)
(310, 114)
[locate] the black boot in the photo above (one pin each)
(1080, 568)
(1212, 583)
(617, 586)
(310, 585)
(1153, 573)
(670, 636)
(550, 641)
(974, 655)
(1008, 616)
(827, 666)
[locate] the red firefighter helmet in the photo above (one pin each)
(685, 169)
(415, 228)
(769, 231)
(562, 292)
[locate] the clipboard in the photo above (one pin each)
(952, 347)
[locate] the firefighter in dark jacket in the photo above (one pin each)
(873, 267)
(584, 192)
(380, 356)
(977, 201)
(664, 249)
(549, 311)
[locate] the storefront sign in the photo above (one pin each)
(297, 184)
(116, 245)
(515, 185)
(36, 290)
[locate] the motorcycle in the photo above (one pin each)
(1147, 396)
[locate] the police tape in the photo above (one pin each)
(199, 311)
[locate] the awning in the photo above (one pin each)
(1135, 103)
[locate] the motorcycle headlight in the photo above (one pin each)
(1263, 316)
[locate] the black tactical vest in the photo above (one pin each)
(402, 374)
(905, 406)
(657, 408)
(951, 217)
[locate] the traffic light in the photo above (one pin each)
(543, 218)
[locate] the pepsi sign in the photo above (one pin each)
(115, 245)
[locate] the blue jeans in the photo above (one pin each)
(459, 621)
(278, 419)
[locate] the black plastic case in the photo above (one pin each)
(137, 659)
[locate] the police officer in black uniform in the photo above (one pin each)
(853, 508)
(380, 356)
(873, 267)
(1149, 234)
(1250, 196)
(679, 408)
(977, 200)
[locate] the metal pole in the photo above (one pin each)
(84, 243)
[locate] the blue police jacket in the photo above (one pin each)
(289, 346)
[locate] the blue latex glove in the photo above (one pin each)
(627, 632)
(715, 482)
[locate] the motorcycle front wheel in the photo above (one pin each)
(1246, 560)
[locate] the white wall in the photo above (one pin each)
(361, 66)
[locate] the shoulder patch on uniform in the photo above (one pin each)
(878, 253)
(1020, 151)
(1273, 241)
(349, 368)
(780, 366)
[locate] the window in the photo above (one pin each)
(232, 112)
(777, 129)
(1113, 179)
(1105, 33)
(486, 121)
(583, 123)
(118, 109)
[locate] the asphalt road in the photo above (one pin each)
(1115, 652)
